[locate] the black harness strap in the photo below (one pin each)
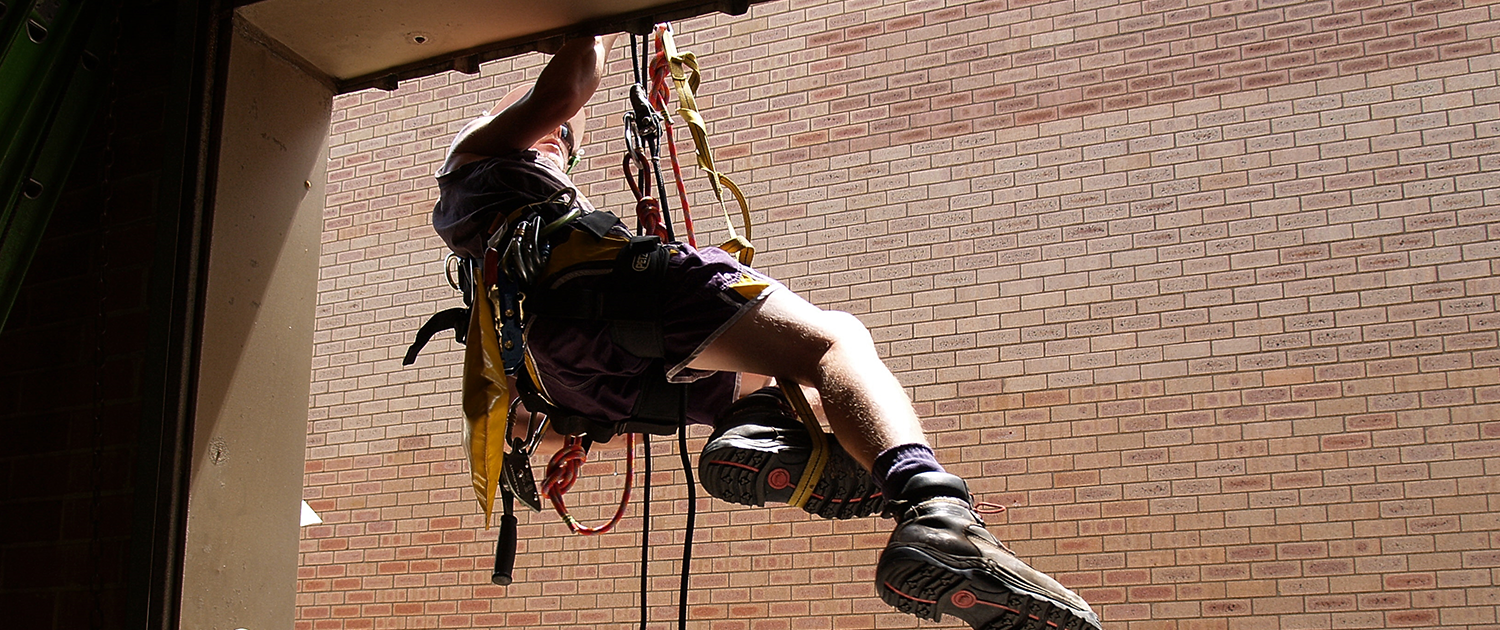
(454, 318)
(597, 222)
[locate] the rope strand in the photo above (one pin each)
(562, 471)
(659, 95)
(645, 525)
(687, 540)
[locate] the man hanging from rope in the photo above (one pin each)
(717, 320)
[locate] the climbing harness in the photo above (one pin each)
(527, 250)
(525, 254)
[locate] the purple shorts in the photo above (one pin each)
(582, 369)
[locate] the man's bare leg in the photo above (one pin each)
(940, 560)
(831, 352)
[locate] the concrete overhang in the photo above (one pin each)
(358, 44)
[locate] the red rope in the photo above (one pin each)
(659, 94)
(648, 215)
(562, 471)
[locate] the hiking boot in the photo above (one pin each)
(942, 561)
(757, 454)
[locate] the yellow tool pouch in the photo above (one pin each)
(486, 400)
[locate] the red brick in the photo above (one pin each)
(1223, 324)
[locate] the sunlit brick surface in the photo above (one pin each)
(1203, 292)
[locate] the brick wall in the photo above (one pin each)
(1204, 293)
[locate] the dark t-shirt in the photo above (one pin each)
(472, 195)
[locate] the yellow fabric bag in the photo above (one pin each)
(486, 400)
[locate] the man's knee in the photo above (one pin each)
(840, 335)
(846, 329)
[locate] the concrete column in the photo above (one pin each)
(251, 419)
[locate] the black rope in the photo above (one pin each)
(687, 541)
(645, 525)
(661, 187)
(635, 58)
(640, 66)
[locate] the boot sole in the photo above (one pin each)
(754, 471)
(929, 584)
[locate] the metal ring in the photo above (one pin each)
(449, 269)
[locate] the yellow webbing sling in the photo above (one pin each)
(685, 76)
(819, 459)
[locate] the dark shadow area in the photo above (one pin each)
(92, 357)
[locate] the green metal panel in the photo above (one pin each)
(44, 138)
(33, 49)
(34, 70)
(15, 15)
